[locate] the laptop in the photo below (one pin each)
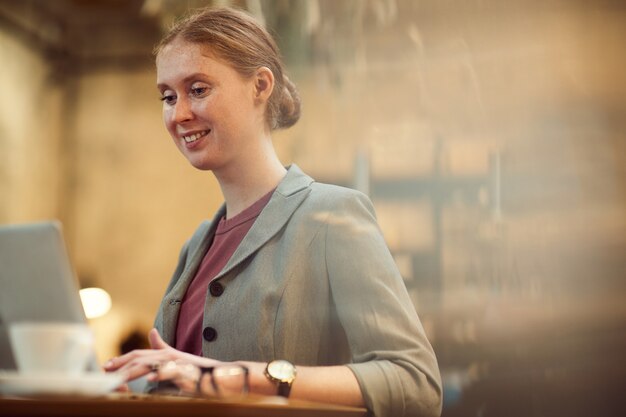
(37, 282)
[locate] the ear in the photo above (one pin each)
(263, 84)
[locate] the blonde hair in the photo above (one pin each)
(236, 37)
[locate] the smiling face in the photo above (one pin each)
(209, 109)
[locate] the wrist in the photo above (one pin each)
(282, 374)
(259, 383)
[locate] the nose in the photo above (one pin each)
(182, 111)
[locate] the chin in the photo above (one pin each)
(202, 165)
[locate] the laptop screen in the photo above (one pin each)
(37, 282)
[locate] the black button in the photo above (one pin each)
(209, 334)
(216, 289)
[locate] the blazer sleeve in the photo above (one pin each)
(392, 359)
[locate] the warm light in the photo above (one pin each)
(96, 302)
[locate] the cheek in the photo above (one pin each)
(167, 117)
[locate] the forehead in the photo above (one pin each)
(181, 49)
(180, 58)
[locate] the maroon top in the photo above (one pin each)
(228, 236)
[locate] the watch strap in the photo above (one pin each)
(284, 388)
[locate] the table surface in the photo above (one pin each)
(132, 405)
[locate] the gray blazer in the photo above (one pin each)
(313, 282)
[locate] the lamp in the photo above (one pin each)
(96, 302)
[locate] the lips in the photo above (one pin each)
(192, 137)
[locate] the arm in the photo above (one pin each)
(392, 359)
(393, 371)
(324, 384)
(328, 384)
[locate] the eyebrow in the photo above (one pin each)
(188, 78)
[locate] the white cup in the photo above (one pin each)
(51, 347)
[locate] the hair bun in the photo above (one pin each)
(289, 105)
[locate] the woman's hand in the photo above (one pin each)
(148, 361)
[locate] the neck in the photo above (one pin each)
(246, 181)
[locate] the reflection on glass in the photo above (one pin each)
(490, 136)
(225, 381)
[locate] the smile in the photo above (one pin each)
(195, 136)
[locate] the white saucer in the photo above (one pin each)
(89, 384)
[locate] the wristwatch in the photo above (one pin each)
(283, 374)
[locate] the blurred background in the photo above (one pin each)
(490, 135)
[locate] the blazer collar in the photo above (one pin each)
(295, 180)
(290, 193)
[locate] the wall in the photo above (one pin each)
(31, 133)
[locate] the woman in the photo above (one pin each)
(289, 269)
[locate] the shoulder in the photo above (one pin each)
(324, 198)
(340, 207)
(329, 191)
(340, 198)
(297, 181)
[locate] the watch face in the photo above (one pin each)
(282, 370)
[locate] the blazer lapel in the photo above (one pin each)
(173, 299)
(290, 193)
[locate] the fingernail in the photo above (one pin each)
(108, 364)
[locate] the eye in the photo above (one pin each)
(168, 99)
(199, 90)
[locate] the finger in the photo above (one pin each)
(114, 364)
(137, 370)
(146, 363)
(123, 388)
(186, 385)
(156, 342)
